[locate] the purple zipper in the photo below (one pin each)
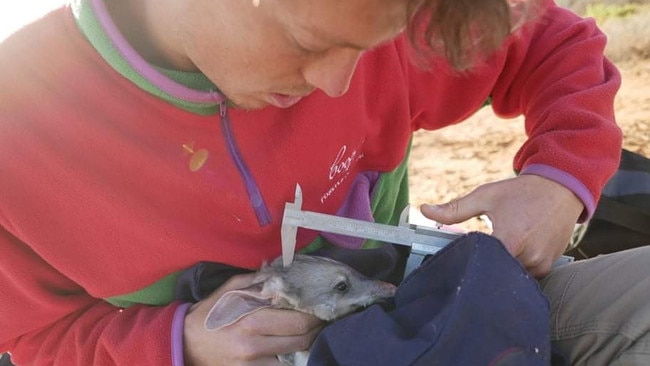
(173, 88)
(254, 194)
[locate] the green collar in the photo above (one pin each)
(191, 91)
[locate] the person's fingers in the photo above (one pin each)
(458, 210)
(281, 322)
(271, 360)
(287, 344)
(244, 342)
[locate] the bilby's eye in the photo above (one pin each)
(341, 286)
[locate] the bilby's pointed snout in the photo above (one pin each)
(384, 290)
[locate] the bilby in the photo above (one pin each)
(324, 287)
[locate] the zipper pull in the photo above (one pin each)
(223, 107)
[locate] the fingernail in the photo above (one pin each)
(432, 207)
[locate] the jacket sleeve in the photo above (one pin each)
(46, 319)
(553, 72)
(556, 75)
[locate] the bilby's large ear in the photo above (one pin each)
(234, 305)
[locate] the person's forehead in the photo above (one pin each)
(360, 22)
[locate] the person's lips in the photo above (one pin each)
(283, 100)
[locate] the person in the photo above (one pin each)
(140, 138)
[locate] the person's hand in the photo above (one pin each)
(533, 216)
(253, 340)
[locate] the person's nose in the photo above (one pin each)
(332, 72)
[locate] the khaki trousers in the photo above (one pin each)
(600, 309)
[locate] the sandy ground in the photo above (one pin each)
(453, 161)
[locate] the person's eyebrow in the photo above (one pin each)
(355, 46)
(362, 48)
(319, 34)
(337, 42)
(329, 40)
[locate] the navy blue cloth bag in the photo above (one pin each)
(471, 304)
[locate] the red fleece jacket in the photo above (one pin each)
(96, 198)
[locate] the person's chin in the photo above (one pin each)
(249, 104)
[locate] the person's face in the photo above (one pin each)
(284, 49)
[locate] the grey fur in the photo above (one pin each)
(326, 288)
(323, 287)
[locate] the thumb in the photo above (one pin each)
(455, 211)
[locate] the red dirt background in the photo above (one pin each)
(453, 161)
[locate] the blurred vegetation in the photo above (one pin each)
(602, 12)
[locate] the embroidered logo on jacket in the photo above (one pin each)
(340, 169)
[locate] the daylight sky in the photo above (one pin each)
(14, 14)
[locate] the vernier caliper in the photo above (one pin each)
(422, 240)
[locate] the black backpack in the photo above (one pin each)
(622, 218)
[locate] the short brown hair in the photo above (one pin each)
(464, 30)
